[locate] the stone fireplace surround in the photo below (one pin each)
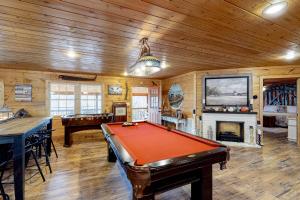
(209, 121)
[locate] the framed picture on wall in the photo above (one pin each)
(114, 89)
(227, 91)
(23, 92)
(175, 96)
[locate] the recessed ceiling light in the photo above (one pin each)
(163, 64)
(275, 9)
(72, 54)
(290, 55)
(125, 74)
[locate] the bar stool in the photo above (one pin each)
(6, 155)
(31, 143)
(39, 143)
(48, 136)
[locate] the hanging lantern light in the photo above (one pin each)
(146, 64)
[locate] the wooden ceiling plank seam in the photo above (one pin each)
(271, 20)
(258, 22)
(211, 51)
(227, 16)
(254, 36)
(237, 41)
(198, 52)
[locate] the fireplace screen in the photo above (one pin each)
(230, 131)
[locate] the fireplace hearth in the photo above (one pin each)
(230, 131)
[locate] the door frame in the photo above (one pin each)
(159, 95)
(139, 94)
(261, 99)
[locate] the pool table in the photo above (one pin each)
(80, 122)
(156, 159)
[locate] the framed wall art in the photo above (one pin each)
(227, 91)
(175, 96)
(23, 92)
(114, 89)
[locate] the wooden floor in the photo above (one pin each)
(82, 172)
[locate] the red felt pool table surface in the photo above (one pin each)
(147, 142)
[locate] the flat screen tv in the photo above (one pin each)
(227, 91)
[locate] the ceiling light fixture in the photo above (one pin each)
(275, 9)
(290, 55)
(72, 54)
(146, 64)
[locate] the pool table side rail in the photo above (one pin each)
(89, 119)
(221, 152)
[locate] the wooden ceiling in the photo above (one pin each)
(187, 34)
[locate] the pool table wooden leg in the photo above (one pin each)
(146, 197)
(202, 189)
(68, 137)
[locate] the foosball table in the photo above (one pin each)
(80, 122)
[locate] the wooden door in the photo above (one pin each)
(154, 105)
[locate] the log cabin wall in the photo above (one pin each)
(38, 79)
(188, 84)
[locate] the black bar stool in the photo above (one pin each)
(31, 144)
(5, 156)
(46, 136)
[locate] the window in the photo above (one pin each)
(74, 98)
(90, 99)
(62, 99)
(139, 104)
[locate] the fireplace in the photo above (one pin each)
(230, 131)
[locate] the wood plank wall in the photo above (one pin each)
(38, 80)
(187, 83)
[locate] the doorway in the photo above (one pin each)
(146, 104)
(280, 108)
(139, 104)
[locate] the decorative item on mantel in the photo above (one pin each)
(244, 109)
(208, 109)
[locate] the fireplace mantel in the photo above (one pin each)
(209, 121)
